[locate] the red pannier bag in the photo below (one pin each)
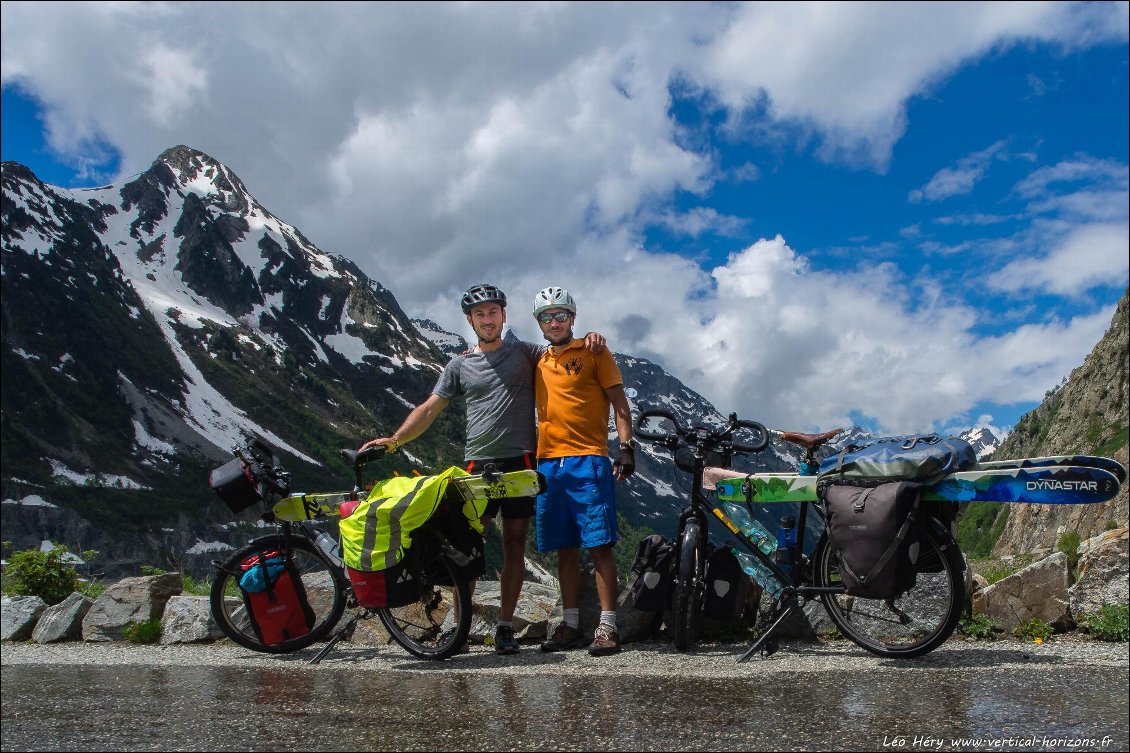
(275, 598)
(395, 586)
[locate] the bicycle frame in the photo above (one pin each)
(795, 593)
(904, 624)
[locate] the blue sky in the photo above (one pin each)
(913, 216)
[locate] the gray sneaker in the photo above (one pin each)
(564, 638)
(504, 642)
(605, 642)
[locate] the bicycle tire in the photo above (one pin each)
(323, 582)
(911, 625)
(422, 628)
(688, 576)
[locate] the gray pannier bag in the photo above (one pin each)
(875, 530)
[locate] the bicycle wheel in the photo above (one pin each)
(323, 584)
(436, 625)
(916, 622)
(688, 577)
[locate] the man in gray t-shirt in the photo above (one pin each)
(497, 379)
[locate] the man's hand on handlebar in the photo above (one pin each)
(388, 443)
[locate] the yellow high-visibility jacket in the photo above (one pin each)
(378, 532)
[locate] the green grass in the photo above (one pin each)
(978, 627)
(142, 632)
(197, 587)
(1035, 630)
(994, 571)
(1111, 622)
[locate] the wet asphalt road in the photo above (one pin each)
(964, 696)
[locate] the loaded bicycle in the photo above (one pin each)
(908, 624)
(288, 590)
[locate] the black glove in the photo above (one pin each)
(625, 465)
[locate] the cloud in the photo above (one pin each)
(443, 144)
(847, 70)
(1088, 256)
(953, 181)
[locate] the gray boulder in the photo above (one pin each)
(536, 603)
(1039, 591)
(18, 615)
(1103, 573)
(188, 619)
(63, 621)
(130, 600)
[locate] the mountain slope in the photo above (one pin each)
(149, 327)
(1086, 415)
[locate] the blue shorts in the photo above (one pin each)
(578, 507)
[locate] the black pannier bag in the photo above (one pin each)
(875, 530)
(727, 586)
(651, 588)
(449, 524)
(234, 483)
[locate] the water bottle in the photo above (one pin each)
(328, 545)
(761, 538)
(761, 574)
(786, 543)
(753, 530)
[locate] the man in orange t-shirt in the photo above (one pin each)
(573, 389)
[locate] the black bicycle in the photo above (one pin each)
(912, 624)
(434, 625)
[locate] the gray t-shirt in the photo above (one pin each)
(499, 388)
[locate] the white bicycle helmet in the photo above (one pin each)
(554, 298)
(482, 293)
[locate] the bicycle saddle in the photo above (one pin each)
(809, 441)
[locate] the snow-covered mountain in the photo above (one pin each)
(984, 441)
(149, 327)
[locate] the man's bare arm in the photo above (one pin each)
(418, 421)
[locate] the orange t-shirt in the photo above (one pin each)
(572, 406)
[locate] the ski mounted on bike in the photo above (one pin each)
(1073, 484)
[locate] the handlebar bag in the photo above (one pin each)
(650, 589)
(925, 458)
(234, 483)
(275, 598)
(875, 532)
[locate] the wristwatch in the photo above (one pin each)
(629, 445)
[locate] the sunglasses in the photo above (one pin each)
(560, 317)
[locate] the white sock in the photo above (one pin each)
(573, 617)
(609, 619)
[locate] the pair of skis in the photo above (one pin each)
(481, 487)
(1057, 480)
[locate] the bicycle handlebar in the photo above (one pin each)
(358, 459)
(709, 438)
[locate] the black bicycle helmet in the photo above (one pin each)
(482, 293)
